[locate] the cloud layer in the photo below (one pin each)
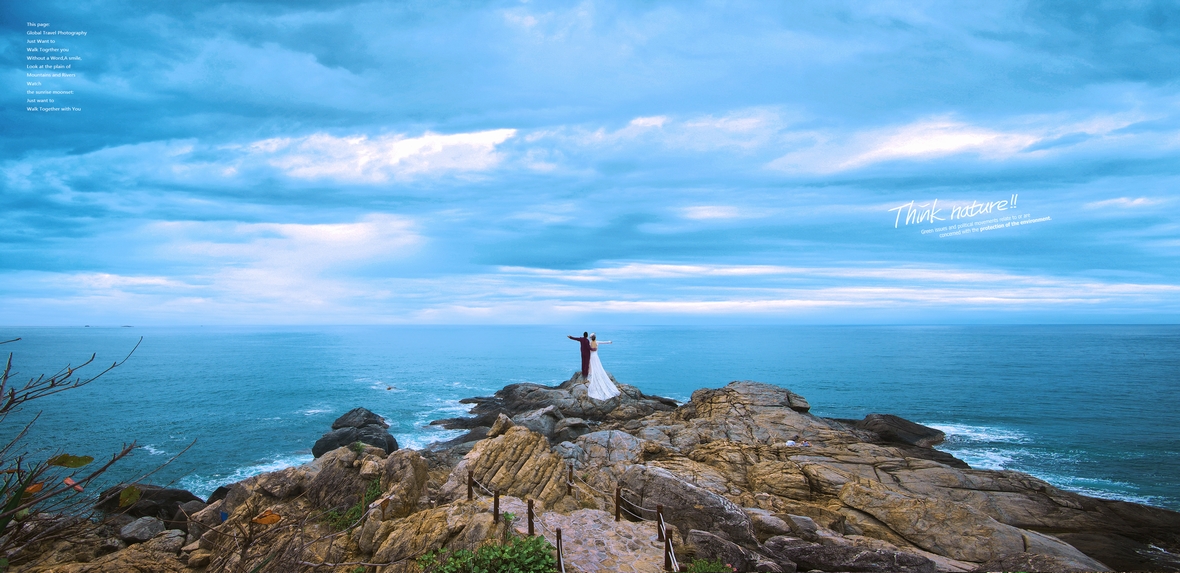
(374, 161)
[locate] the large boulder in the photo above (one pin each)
(154, 501)
(687, 506)
(141, 530)
(568, 400)
(708, 546)
(955, 530)
(809, 556)
(542, 420)
(1025, 561)
(519, 463)
(897, 429)
(359, 418)
(358, 425)
(608, 447)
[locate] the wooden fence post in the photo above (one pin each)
(569, 481)
(667, 553)
(530, 518)
(496, 506)
(618, 502)
(470, 486)
(560, 560)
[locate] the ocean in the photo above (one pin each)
(1091, 409)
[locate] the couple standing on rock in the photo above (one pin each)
(600, 386)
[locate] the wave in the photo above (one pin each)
(986, 458)
(1099, 487)
(980, 434)
(992, 448)
(202, 485)
(152, 450)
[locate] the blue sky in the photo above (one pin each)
(313, 162)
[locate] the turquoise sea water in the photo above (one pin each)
(1089, 408)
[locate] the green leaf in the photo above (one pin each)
(68, 461)
(129, 496)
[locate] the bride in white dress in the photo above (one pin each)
(600, 387)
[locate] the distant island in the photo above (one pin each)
(743, 475)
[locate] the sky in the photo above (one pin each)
(338, 162)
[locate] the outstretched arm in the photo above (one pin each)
(604, 342)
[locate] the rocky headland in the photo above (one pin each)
(728, 469)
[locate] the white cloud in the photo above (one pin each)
(927, 139)
(1124, 203)
(107, 281)
(937, 137)
(654, 121)
(290, 245)
(360, 158)
(701, 212)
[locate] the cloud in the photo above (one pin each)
(1123, 203)
(288, 247)
(922, 140)
(702, 212)
(927, 139)
(360, 159)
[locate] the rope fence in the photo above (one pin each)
(624, 505)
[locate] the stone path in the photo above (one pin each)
(592, 541)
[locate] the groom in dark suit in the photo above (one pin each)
(584, 342)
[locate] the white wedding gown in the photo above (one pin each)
(600, 387)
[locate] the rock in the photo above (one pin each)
(141, 530)
(571, 453)
(810, 556)
(199, 558)
(169, 541)
(568, 429)
(569, 400)
(542, 420)
(153, 556)
(206, 519)
(1120, 553)
(154, 501)
(374, 435)
(687, 506)
(359, 418)
(500, 426)
(217, 494)
(336, 486)
(180, 518)
(897, 429)
(802, 526)
(709, 546)
(753, 394)
(955, 530)
(283, 484)
(110, 545)
(519, 463)
(403, 481)
(1062, 552)
(610, 446)
(766, 524)
(1032, 562)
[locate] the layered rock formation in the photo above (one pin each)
(867, 495)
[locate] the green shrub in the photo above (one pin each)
(341, 521)
(710, 566)
(517, 555)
